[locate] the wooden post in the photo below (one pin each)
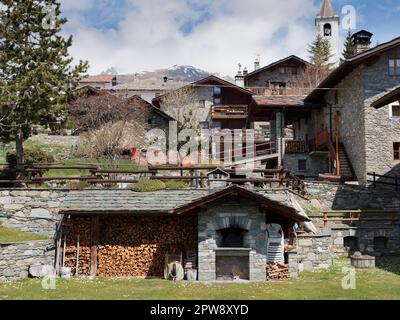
(337, 128)
(95, 237)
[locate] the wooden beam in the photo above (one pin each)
(95, 239)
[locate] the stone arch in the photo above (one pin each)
(380, 243)
(351, 243)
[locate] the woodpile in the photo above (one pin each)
(132, 246)
(277, 271)
(72, 228)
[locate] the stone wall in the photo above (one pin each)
(314, 165)
(228, 214)
(315, 251)
(336, 196)
(34, 211)
(15, 258)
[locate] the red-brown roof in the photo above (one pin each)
(277, 100)
(98, 79)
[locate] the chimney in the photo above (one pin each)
(362, 41)
(239, 78)
(245, 72)
(257, 64)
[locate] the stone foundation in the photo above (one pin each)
(15, 258)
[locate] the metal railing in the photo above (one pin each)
(383, 179)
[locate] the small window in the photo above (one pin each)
(203, 103)
(282, 70)
(217, 91)
(302, 165)
(351, 243)
(380, 243)
(327, 30)
(395, 111)
(294, 71)
(394, 67)
(149, 121)
(205, 125)
(396, 150)
(217, 101)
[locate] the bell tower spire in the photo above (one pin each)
(327, 23)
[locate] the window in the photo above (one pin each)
(217, 101)
(204, 125)
(396, 150)
(282, 70)
(202, 103)
(149, 121)
(217, 91)
(380, 243)
(395, 111)
(294, 71)
(302, 165)
(394, 67)
(327, 30)
(350, 243)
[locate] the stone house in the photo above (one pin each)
(363, 97)
(99, 82)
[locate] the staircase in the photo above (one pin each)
(346, 169)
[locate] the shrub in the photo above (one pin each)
(31, 157)
(146, 185)
(176, 184)
(80, 185)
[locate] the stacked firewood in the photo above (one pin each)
(72, 228)
(276, 271)
(137, 246)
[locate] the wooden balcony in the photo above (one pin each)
(229, 112)
(280, 91)
(297, 146)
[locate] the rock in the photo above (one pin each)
(40, 213)
(39, 271)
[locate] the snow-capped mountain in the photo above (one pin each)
(177, 72)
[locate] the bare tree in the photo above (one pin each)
(183, 105)
(314, 74)
(92, 112)
(111, 139)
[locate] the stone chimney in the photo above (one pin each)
(362, 41)
(239, 78)
(257, 64)
(245, 72)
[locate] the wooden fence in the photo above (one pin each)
(352, 216)
(196, 175)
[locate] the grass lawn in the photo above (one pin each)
(380, 283)
(8, 235)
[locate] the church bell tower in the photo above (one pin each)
(327, 23)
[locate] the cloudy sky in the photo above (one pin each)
(215, 35)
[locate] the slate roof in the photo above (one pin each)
(280, 100)
(167, 201)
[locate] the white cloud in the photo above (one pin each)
(149, 36)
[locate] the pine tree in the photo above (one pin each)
(36, 75)
(320, 52)
(349, 48)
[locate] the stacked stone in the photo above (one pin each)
(16, 258)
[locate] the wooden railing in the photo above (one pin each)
(296, 146)
(322, 141)
(193, 174)
(279, 91)
(384, 180)
(229, 112)
(352, 216)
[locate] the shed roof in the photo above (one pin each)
(166, 201)
(388, 98)
(280, 100)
